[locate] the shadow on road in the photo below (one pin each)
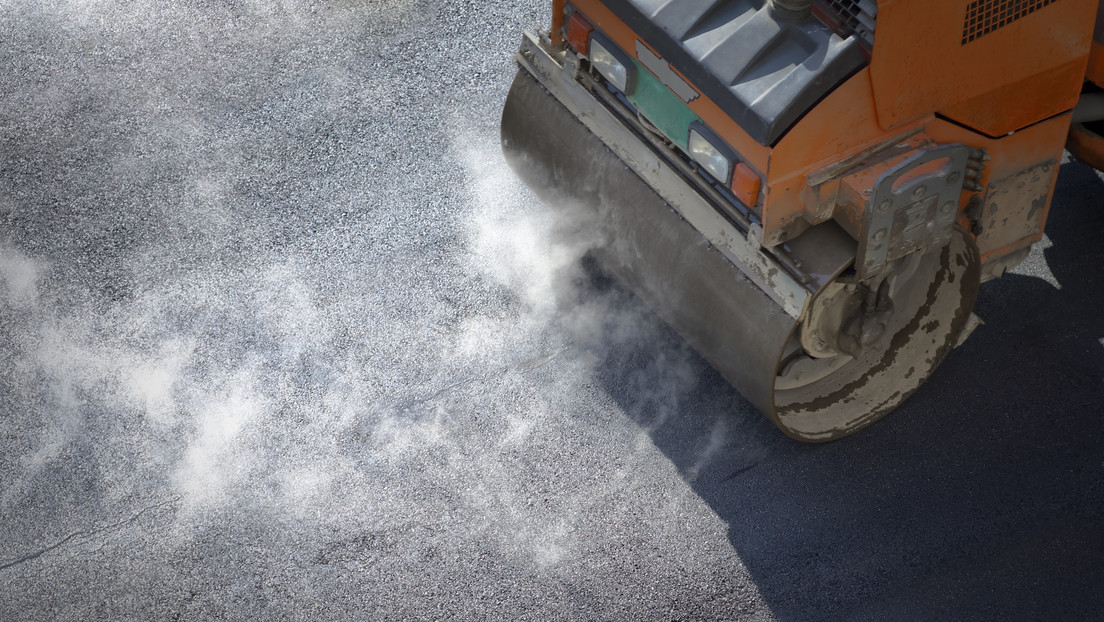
(982, 497)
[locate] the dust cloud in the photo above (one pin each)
(268, 328)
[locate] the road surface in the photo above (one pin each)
(281, 338)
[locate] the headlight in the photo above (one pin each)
(709, 156)
(611, 63)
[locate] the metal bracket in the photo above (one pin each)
(912, 208)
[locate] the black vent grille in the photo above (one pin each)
(985, 16)
(853, 17)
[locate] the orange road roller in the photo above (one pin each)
(809, 191)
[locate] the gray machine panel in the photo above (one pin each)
(764, 72)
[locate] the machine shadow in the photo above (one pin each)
(982, 497)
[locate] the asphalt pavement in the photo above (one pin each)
(282, 338)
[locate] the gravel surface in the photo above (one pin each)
(282, 338)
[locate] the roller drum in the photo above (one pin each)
(741, 331)
(672, 267)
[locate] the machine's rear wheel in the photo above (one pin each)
(834, 393)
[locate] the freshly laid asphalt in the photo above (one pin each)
(282, 338)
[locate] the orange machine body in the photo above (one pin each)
(998, 75)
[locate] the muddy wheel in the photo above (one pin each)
(861, 350)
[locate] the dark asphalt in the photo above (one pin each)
(282, 338)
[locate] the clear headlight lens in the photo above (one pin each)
(709, 157)
(607, 64)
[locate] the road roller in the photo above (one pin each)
(809, 191)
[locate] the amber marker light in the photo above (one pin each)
(578, 33)
(746, 184)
